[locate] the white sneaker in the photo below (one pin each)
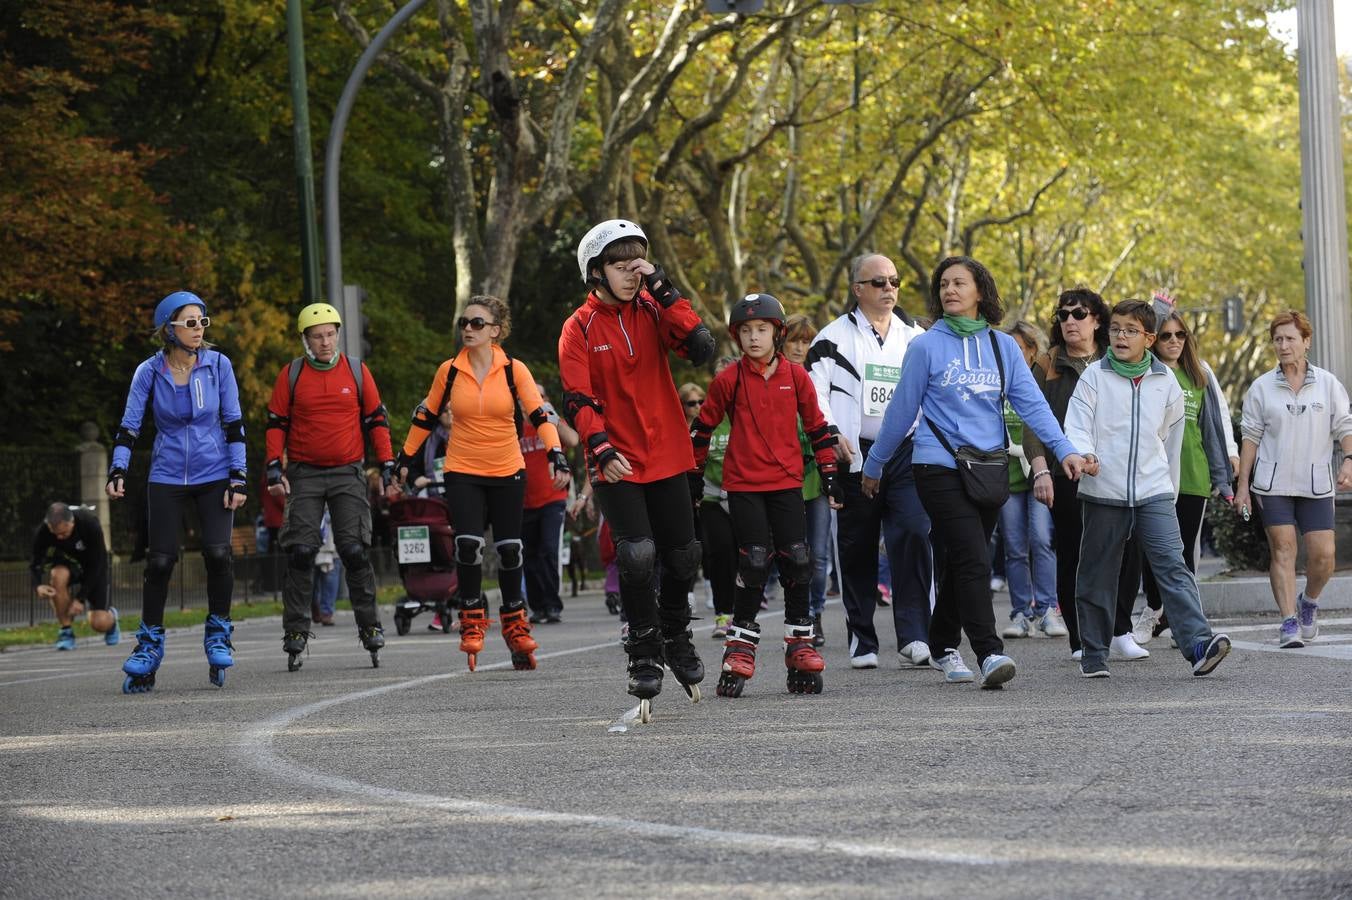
(1018, 627)
(954, 669)
(1050, 624)
(864, 661)
(1144, 629)
(998, 583)
(1124, 646)
(1077, 655)
(915, 655)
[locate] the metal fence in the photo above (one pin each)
(258, 579)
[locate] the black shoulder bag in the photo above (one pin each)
(984, 473)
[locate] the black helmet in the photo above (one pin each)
(757, 306)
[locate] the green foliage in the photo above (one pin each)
(1243, 544)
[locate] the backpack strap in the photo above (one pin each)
(517, 418)
(354, 363)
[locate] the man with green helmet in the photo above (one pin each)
(322, 408)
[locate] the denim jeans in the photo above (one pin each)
(541, 534)
(326, 586)
(1030, 562)
(1106, 529)
(819, 542)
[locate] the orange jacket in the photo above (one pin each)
(483, 427)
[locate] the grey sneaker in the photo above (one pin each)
(1018, 627)
(1050, 624)
(995, 671)
(1308, 614)
(1093, 668)
(954, 669)
(1289, 636)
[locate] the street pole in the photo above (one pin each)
(333, 153)
(1322, 195)
(300, 131)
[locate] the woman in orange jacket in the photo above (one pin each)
(485, 478)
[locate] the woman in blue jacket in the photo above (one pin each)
(954, 382)
(197, 461)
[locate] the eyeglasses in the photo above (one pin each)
(1079, 314)
(478, 323)
(881, 283)
(1170, 335)
(694, 403)
(1125, 332)
(204, 321)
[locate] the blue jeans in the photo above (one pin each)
(1106, 530)
(819, 542)
(326, 586)
(541, 535)
(1030, 562)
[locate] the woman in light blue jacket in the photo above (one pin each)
(198, 461)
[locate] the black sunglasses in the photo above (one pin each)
(881, 283)
(477, 323)
(1170, 335)
(694, 403)
(1079, 314)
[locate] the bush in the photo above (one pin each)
(1243, 544)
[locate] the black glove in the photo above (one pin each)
(661, 288)
(117, 477)
(238, 483)
(274, 472)
(602, 450)
(695, 479)
(831, 485)
(401, 468)
(386, 474)
(555, 456)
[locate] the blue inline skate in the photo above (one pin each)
(144, 660)
(216, 643)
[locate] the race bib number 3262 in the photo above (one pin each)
(879, 383)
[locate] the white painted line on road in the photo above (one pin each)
(257, 749)
(1276, 623)
(1327, 651)
(44, 678)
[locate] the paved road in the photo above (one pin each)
(418, 779)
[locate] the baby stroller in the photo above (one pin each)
(425, 547)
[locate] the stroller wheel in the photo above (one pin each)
(402, 624)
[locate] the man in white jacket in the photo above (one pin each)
(1127, 415)
(855, 364)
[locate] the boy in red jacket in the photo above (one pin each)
(619, 396)
(764, 395)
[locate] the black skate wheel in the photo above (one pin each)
(375, 660)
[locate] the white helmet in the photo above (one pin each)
(595, 241)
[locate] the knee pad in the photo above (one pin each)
(509, 553)
(753, 566)
(683, 562)
(354, 556)
(795, 564)
(217, 558)
(159, 566)
(469, 549)
(636, 558)
(301, 557)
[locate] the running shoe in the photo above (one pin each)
(1308, 614)
(915, 655)
(864, 661)
(1289, 636)
(1050, 624)
(65, 638)
(434, 625)
(721, 623)
(112, 637)
(1018, 627)
(1094, 668)
(1208, 654)
(1124, 646)
(996, 669)
(884, 595)
(1144, 628)
(954, 669)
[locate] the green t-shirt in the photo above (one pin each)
(812, 479)
(1194, 473)
(1018, 482)
(713, 464)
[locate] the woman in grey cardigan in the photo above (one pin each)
(1291, 415)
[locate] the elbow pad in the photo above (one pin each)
(574, 402)
(234, 432)
(699, 345)
(379, 418)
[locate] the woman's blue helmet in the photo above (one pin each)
(164, 312)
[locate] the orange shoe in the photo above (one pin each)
(516, 632)
(473, 626)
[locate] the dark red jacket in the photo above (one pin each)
(617, 382)
(763, 450)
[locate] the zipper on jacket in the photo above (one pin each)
(619, 317)
(1135, 438)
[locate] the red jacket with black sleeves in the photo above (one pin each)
(320, 424)
(763, 451)
(617, 383)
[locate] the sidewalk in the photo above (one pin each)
(1249, 592)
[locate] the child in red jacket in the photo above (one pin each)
(764, 395)
(619, 395)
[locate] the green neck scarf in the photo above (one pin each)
(1130, 370)
(963, 326)
(322, 367)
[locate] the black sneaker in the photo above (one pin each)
(539, 618)
(1093, 668)
(554, 617)
(1210, 653)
